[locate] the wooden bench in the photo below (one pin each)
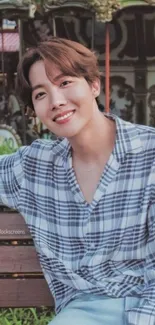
(21, 280)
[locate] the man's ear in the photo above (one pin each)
(96, 87)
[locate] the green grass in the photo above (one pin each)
(25, 316)
(4, 149)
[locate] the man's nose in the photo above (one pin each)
(57, 99)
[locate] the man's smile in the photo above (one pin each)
(63, 117)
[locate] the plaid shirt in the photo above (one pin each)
(104, 248)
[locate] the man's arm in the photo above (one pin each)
(144, 314)
(11, 176)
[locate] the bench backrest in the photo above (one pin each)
(21, 280)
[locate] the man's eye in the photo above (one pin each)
(39, 95)
(65, 83)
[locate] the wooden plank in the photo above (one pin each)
(13, 226)
(25, 293)
(15, 259)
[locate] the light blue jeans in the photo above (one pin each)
(95, 310)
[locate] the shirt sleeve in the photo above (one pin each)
(11, 177)
(144, 314)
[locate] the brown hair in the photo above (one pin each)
(72, 58)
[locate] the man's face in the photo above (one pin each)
(64, 104)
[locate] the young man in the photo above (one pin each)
(89, 197)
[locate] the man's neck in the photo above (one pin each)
(94, 144)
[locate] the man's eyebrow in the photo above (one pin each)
(36, 87)
(58, 77)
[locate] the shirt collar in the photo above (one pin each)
(127, 137)
(62, 148)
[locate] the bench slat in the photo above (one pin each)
(15, 259)
(17, 292)
(25, 293)
(13, 226)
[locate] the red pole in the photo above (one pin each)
(107, 69)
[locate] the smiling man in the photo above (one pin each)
(88, 197)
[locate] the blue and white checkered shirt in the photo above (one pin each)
(104, 248)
